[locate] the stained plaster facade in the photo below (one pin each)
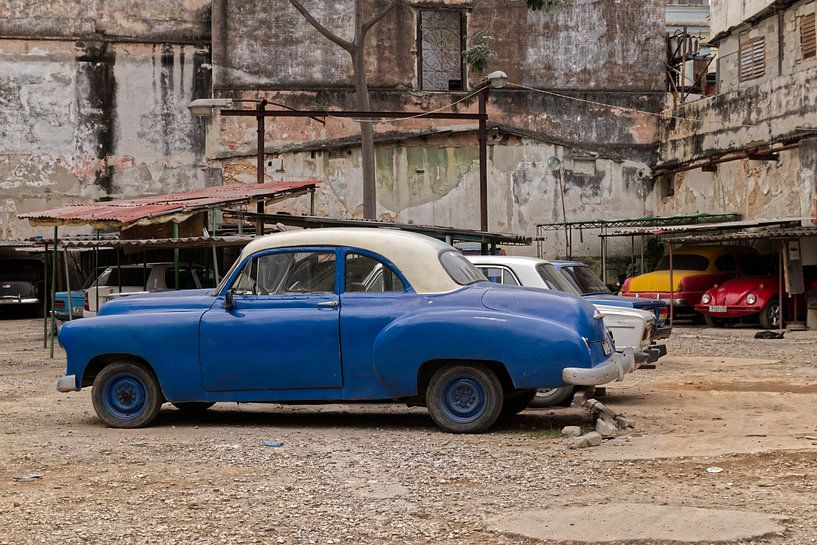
(777, 107)
(93, 100)
(609, 52)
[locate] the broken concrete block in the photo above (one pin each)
(606, 428)
(571, 431)
(591, 439)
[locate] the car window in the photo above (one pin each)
(131, 277)
(498, 275)
(288, 272)
(364, 273)
(726, 262)
(587, 281)
(207, 278)
(186, 281)
(459, 268)
(21, 269)
(684, 262)
(554, 280)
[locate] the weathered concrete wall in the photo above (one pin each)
(435, 181)
(175, 21)
(726, 14)
(93, 101)
(582, 44)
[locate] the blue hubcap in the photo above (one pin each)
(124, 396)
(463, 400)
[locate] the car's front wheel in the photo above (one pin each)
(553, 397)
(126, 395)
(464, 398)
(770, 316)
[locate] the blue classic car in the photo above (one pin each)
(340, 315)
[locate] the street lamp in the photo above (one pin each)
(203, 107)
(495, 80)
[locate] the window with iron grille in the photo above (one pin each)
(808, 41)
(441, 39)
(752, 58)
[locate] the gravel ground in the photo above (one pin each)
(385, 474)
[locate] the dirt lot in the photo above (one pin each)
(384, 474)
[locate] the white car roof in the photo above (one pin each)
(416, 256)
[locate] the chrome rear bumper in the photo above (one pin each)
(614, 368)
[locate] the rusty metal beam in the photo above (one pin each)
(355, 114)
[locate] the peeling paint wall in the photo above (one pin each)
(91, 108)
(435, 181)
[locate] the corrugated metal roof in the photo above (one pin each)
(160, 208)
(782, 233)
(668, 229)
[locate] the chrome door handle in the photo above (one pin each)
(328, 304)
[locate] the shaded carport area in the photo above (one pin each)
(793, 244)
(183, 220)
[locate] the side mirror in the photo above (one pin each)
(229, 300)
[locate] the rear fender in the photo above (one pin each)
(532, 350)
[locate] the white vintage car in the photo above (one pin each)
(631, 328)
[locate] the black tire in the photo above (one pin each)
(194, 406)
(464, 398)
(769, 317)
(553, 397)
(126, 395)
(516, 402)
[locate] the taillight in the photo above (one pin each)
(86, 302)
(59, 304)
(663, 313)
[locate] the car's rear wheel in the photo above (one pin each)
(553, 397)
(126, 395)
(770, 316)
(517, 402)
(464, 398)
(194, 406)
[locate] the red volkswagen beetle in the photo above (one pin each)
(755, 295)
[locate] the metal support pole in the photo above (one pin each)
(671, 288)
(780, 286)
(259, 222)
(215, 254)
(603, 256)
(53, 293)
(45, 299)
(176, 254)
(118, 273)
(483, 164)
(96, 274)
(68, 285)
(312, 202)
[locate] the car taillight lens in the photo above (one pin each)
(86, 302)
(59, 304)
(663, 313)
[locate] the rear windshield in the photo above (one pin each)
(460, 269)
(684, 262)
(587, 281)
(16, 269)
(554, 279)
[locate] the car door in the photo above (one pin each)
(282, 331)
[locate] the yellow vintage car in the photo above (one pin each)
(695, 269)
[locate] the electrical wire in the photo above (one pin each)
(660, 114)
(415, 116)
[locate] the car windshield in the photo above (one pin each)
(554, 280)
(684, 262)
(21, 269)
(460, 269)
(766, 265)
(588, 282)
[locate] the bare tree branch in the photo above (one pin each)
(347, 45)
(373, 21)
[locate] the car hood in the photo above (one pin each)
(555, 306)
(626, 302)
(659, 280)
(167, 301)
